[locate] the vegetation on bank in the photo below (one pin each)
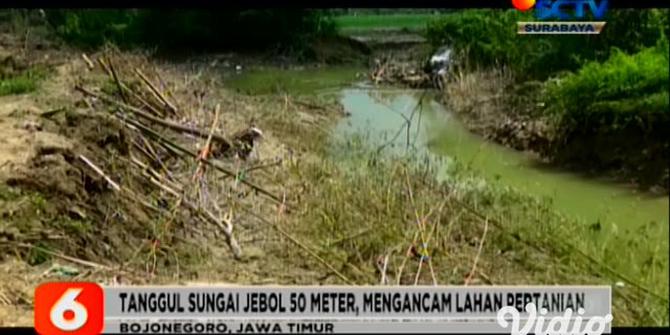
(22, 83)
(380, 206)
(257, 29)
(282, 81)
(615, 114)
(355, 210)
(489, 38)
(606, 94)
(18, 78)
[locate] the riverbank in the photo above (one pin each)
(352, 158)
(494, 106)
(591, 106)
(73, 202)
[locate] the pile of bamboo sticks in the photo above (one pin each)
(156, 124)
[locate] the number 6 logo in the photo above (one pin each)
(68, 304)
(69, 308)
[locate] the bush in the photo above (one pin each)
(490, 37)
(616, 86)
(616, 113)
(94, 27)
(192, 29)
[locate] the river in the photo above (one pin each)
(381, 114)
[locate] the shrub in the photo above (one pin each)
(490, 37)
(191, 29)
(616, 111)
(93, 27)
(624, 86)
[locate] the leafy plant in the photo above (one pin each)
(615, 114)
(192, 29)
(490, 37)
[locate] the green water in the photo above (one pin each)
(293, 81)
(379, 115)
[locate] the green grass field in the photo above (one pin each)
(356, 23)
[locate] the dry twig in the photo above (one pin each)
(479, 252)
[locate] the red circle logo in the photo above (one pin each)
(523, 5)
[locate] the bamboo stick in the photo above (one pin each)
(149, 117)
(155, 91)
(177, 147)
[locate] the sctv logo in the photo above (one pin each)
(563, 9)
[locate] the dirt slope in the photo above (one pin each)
(58, 218)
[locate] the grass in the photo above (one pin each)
(358, 23)
(19, 84)
(268, 81)
(378, 206)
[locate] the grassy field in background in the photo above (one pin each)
(355, 23)
(270, 81)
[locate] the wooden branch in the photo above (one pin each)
(117, 81)
(114, 185)
(207, 216)
(104, 66)
(479, 252)
(155, 91)
(169, 124)
(109, 70)
(204, 153)
(298, 243)
(177, 147)
(88, 61)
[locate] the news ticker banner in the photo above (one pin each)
(88, 308)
